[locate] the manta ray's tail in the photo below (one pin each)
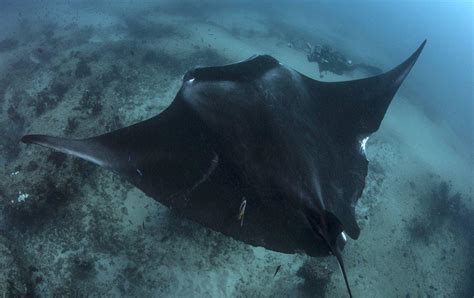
(337, 253)
(329, 228)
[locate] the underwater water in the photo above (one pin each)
(82, 68)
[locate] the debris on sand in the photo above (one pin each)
(8, 44)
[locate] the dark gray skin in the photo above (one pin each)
(258, 131)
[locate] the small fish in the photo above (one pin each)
(143, 225)
(130, 222)
(242, 211)
(276, 271)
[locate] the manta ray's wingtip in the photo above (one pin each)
(45, 141)
(30, 139)
(406, 66)
(84, 149)
(420, 48)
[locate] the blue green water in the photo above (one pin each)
(82, 68)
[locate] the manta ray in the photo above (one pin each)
(254, 150)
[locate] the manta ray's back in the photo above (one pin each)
(254, 150)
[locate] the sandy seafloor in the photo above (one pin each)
(69, 228)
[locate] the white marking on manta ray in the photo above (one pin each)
(212, 167)
(74, 153)
(319, 193)
(191, 80)
(185, 194)
(242, 207)
(344, 236)
(84, 156)
(362, 143)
